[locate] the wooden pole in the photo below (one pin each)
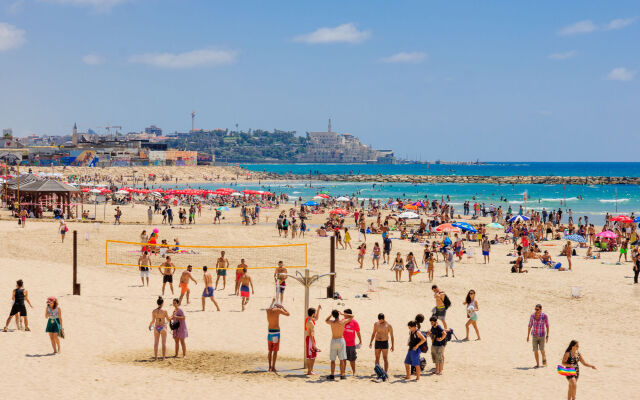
(76, 285)
(306, 307)
(332, 268)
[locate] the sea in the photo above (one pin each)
(594, 201)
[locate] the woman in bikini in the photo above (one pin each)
(54, 323)
(411, 265)
(159, 320)
(362, 250)
(472, 313)
(398, 266)
(571, 359)
(376, 256)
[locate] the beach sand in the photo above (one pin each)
(107, 351)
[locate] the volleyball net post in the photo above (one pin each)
(331, 289)
(76, 285)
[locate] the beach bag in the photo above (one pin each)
(19, 221)
(424, 347)
(380, 373)
(174, 325)
(447, 302)
(423, 365)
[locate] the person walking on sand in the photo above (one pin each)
(569, 253)
(311, 348)
(239, 268)
(180, 332)
(571, 359)
(472, 313)
(387, 245)
(440, 310)
(18, 309)
(143, 265)
(184, 283)
(208, 288)
(351, 329)
(167, 269)
(438, 342)
(486, 248)
(54, 327)
(338, 347)
(347, 238)
(430, 267)
(280, 276)
(63, 230)
(23, 217)
(245, 282)
(273, 337)
(382, 331)
(539, 329)
(375, 259)
(398, 266)
(222, 264)
(159, 320)
(362, 250)
(412, 359)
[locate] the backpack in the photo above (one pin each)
(423, 365)
(424, 347)
(380, 373)
(447, 302)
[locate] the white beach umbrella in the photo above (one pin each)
(409, 215)
(96, 191)
(343, 198)
(236, 194)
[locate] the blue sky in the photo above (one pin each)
(542, 81)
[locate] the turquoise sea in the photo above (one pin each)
(593, 200)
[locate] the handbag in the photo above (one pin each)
(174, 325)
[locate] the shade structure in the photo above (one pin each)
(607, 234)
(409, 215)
(465, 227)
(339, 211)
(622, 218)
(576, 238)
(448, 228)
(495, 225)
(520, 218)
(310, 203)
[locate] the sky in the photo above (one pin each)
(463, 80)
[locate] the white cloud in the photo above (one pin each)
(103, 5)
(579, 28)
(588, 26)
(11, 37)
(346, 33)
(619, 23)
(404, 57)
(14, 7)
(563, 56)
(189, 59)
(93, 59)
(621, 74)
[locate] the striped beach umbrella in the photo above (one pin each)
(576, 238)
(465, 227)
(520, 218)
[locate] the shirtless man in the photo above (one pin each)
(280, 276)
(143, 265)
(208, 288)
(221, 270)
(239, 269)
(381, 332)
(245, 282)
(311, 350)
(273, 337)
(184, 283)
(338, 347)
(440, 310)
(167, 269)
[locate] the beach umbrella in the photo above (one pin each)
(637, 219)
(236, 194)
(465, 227)
(96, 191)
(343, 198)
(411, 207)
(339, 211)
(158, 190)
(167, 197)
(607, 234)
(576, 238)
(85, 190)
(156, 194)
(418, 204)
(409, 215)
(310, 203)
(122, 191)
(323, 195)
(495, 225)
(447, 228)
(393, 203)
(223, 208)
(636, 243)
(622, 218)
(520, 218)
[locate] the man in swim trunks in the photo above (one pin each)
(338, 347)
(239, 269)
(311, 350)
(143, 265)
(486, 248)
(167, 269)
(280, 275)
(245, 282)
(184, 283)
(382, 330)
(221, 270)
(208, 288)
(273, 337)
(440, 310)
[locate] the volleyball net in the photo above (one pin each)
(127, 254)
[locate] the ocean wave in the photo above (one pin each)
(516, 202)
(612, 200)
(558, 200)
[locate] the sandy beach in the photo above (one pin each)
(108, 350)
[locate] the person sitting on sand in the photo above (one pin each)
(322, 232)
(518, 267)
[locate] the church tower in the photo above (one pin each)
(74, 136)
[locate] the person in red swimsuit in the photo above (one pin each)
(311, 350)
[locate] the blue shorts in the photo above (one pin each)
(485, 253)
(413, 358)
(208, 292)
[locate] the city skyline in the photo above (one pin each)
(431, 81)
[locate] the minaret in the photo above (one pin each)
(74, 137)
(329, 125)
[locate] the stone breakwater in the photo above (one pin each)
(502, 180)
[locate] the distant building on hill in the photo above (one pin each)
(331, 147)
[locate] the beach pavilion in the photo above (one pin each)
(44, 193)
